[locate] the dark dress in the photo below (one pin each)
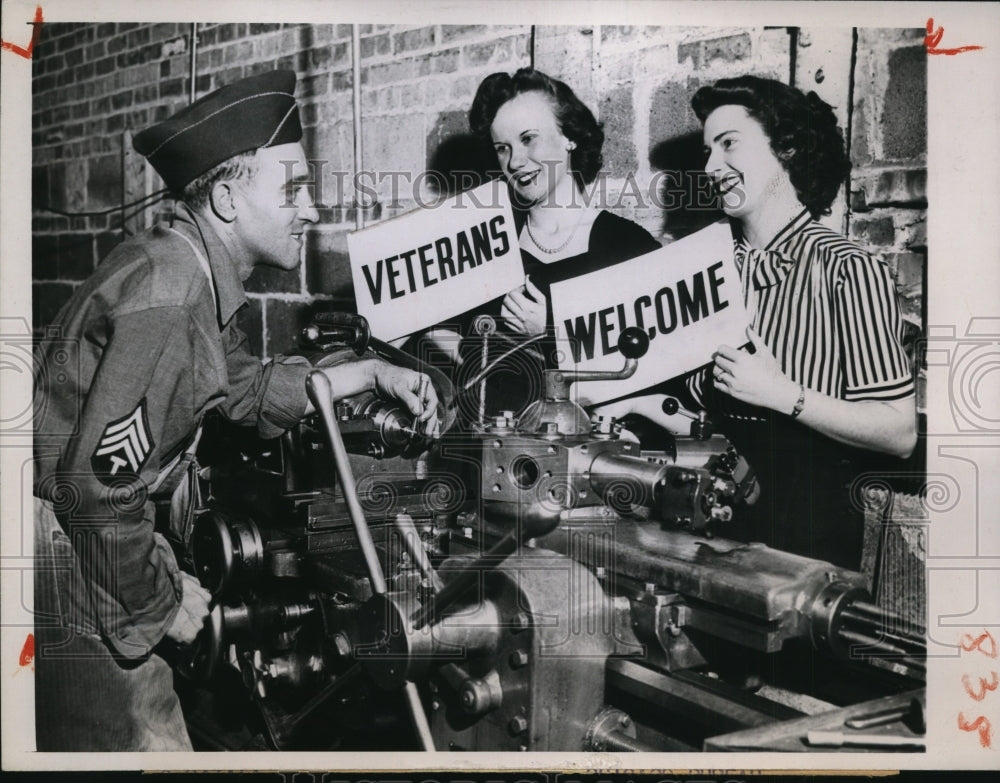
(806, 484)
(517, 381)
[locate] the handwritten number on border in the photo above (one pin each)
(980, 724)
(983, 686)
(969, 643)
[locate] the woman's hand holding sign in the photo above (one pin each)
(755, 378)
(524, 310)
(870, 424)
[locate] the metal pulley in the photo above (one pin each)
(228, 551)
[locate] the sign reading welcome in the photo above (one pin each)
(686, 297)
(429, 265)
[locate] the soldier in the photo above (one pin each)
(154, 345)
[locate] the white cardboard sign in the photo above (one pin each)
(433, 263)
(686, 297)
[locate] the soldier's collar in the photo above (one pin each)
(231, 295)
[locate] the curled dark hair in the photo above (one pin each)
(802, 130)
(576, 122)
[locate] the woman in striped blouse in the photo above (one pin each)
(825, 380)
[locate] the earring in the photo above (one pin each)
(571, 146)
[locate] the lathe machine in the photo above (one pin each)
(531, 582)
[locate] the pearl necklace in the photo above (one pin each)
(554, 250)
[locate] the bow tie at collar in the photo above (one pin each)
(771, 265)
(765, 267)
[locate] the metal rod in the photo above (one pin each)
(698, 705)
(882, 717)
(619, 741)
(877, 629)
(838, 739)
(321, 394)
(483, 373)
(411, 540)
(867, 608)
(463, 580)
(877, 612)
(324, 695)
(876, 646)
(419, 717)
(126, 146)
(485, 328)
(194, 61)
(359, 218)
(861, 623)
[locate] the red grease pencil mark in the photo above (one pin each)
(969, 643)
(28, 651)
(933, 38)
(983, 686)
(980, 724)
(26, 52)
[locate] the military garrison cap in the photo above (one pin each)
(259, 111)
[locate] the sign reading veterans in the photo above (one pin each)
(429, 265)
(686, 297)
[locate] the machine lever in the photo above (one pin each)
(321, 394)
(419, 716)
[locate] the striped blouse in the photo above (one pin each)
(828, 311)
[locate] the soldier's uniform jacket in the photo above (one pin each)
(135, 359)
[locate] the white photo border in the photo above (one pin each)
(963, 281)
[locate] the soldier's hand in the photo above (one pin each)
(192, 613)
(413, 389)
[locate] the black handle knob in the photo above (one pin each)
(633, 343)
(670, 406)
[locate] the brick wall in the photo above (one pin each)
(639, 81)
(888, 193)
(96, 83)
(888, 212)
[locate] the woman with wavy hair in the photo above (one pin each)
(825, 380)
(548, 148)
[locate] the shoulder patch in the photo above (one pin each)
(123, 447)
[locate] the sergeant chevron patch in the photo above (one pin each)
(123, 448)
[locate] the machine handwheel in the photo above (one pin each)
(200, 660)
